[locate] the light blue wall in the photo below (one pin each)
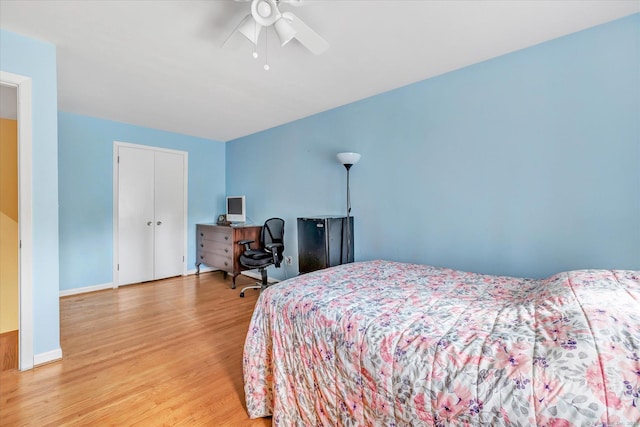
(523, 165)
(86, 191)
(37, 60)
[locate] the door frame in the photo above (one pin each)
(185, 164)
(23, 85)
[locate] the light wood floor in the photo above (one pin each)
(159, 353)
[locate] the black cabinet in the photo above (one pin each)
(322, 242)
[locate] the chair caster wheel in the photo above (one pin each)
(241, 294)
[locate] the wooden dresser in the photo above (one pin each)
(217, 246)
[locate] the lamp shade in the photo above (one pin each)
(348, 158)
(284, 30)
(250, 29)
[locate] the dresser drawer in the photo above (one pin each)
(216, 234)
(222, 262)
(219, 248)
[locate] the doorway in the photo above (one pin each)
(9, 285)
(19, 217)
(150, 205)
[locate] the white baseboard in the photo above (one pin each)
(86, 289)
(249, 273)
(255, 275)
(203, 269)
(48, 357)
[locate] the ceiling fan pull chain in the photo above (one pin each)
(266, 47)
(255, 46)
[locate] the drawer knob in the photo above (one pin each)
(201, 257)
(226, 251)
(226, 237)
(201, 234)
(201, 245)
(226, 263)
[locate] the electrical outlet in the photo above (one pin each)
(288, 260)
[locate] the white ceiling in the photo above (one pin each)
(162, 64)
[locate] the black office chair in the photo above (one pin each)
(269, 253)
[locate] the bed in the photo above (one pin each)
(383, 343)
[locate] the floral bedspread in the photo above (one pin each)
(390, 344)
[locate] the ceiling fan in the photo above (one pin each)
(265, 13)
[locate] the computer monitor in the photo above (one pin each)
(236, 209)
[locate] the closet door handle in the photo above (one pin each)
(149, 222)
(159, 223)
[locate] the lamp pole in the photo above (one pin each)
(348, 167)
(348, 160)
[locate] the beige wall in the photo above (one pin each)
(8, 225)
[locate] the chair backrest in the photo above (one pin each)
(273, 232)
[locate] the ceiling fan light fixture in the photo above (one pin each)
(250, 29)
(264, 9)
(265, 12)
(284, 30)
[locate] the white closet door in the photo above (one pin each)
(135, 215)
(169, 214)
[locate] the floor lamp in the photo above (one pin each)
(348, 160)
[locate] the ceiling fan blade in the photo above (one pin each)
(248, 27)
(305, 35)
(234, 30)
